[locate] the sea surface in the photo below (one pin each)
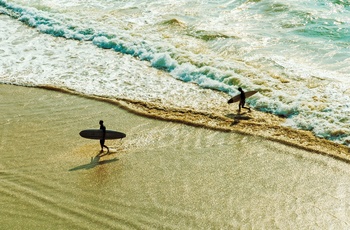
(295, 53)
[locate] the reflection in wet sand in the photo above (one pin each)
(95, 161)
(163, 175)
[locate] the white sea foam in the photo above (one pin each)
(89, 70)
(103, 50)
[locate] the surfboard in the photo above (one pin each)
(97, 134)
(238, 97)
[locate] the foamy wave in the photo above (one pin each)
(279, 91)
(205, 76)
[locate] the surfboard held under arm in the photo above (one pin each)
(237, 97)
(97, 134)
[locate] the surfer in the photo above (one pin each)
(242, 100)
(102, 140)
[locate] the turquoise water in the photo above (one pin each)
(295, 53)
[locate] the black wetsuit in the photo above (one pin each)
(102, 140)
(242, 101)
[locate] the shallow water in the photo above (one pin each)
(162, 175)
(136, 49)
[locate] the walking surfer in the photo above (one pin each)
(242, 100)
(102, 140)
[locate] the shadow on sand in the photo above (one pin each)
(95, 161)
(238, 117)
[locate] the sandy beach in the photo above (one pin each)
(162, 175)
(163, 74)
(255, 123)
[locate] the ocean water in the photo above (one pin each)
(189, 54)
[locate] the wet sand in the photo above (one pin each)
(253, 123)
(162, 175)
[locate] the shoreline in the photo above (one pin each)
(254, 123)
(161, 170)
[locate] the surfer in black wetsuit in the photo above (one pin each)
(242, 101)
(102, 140)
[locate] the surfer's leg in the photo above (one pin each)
(246, 108)
(243, 106)
(106, 148)
(102, 142)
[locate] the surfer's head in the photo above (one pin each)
(240, 89)
(101, 122)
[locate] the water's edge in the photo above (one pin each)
(264, 125)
